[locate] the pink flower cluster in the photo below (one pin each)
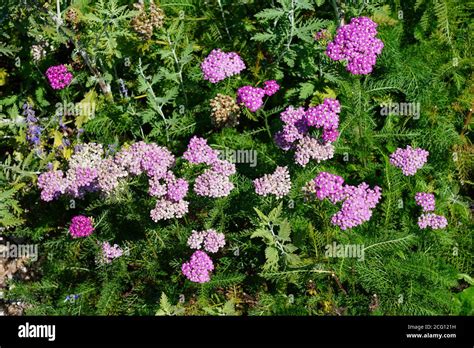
(89, 170)
(252, 97)
(271, 87)
(432, 220)
(409, 160)
(425, 200)
(215, 181)
(59, 77)
(110, 252)
(198, 268)
(329, 186)
(358, 201)
(356, 43)
(297, 122)
(357, 206)
(278, 183)
(81, 226)
(210, 240)
(218, 65)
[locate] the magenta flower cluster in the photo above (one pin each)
(215, 181)
(270, 87)
(432, 220)
(428, 219)
(278, 183)
(295, 133)
(218, 65)
(210, 240)
(329, 186)
(356, 43)
(59, 77)
(110, 252)
(358, 201)
(252, 97)
(425, 200)
(409, 160)
(198, 268)
(357, 206)
(81, 226)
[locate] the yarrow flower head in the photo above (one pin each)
(432, 220)
(357, 200)
(425, 200)
(210, 240)
(81, 226)
(271, 87)
(199, 152)
(329, 186)
(213, 184)
(357, 206)
(278, 183)
(198, 268)
(251, 97)
(356, 43)
(218, 65)
(325, 115)
(409, 160)
(309, 148)
(52, 184)
(295, 133)
(166, 209)
(110, 252)
(59, 77)
(225, 111)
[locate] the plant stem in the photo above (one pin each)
(223, 18)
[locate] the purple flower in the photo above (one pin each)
(198, 268)
(356, 43)
(213, 184)
(211, 239)
(324, 115)
(330, 186)
(432, 220)
(52, 184)
(278, 183)
(251, 97)
(81, 226)
(166, 209)
(425, 200)
(218, 65)
(33, 133)
(270, 87)
(110, 252)
(309, 148)
(357, 206)
(59, 77)
(199, 152)
(409, 159)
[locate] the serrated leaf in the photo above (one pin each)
(306, 90)
(270, 13)
(271, 255)
(263, 37)
(285, 230)
(261, 215)
(275, 213)
(263, 233)
(293, 259)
